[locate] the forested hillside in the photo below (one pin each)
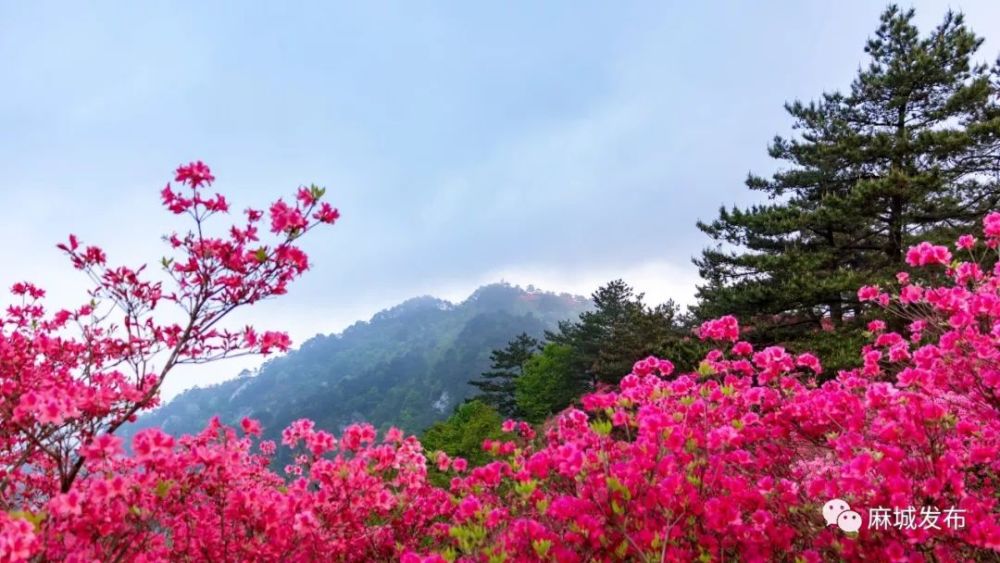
(409, 366)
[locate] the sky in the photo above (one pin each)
(561, 144)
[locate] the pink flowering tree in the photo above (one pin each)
(70, 379)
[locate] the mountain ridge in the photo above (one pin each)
(407, 366)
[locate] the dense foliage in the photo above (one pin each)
(547, 385)
(736, 458)
(498, 386)
(533, 379)
(908, 154)
(462, 435)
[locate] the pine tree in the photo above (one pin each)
(497, 386)
(621, 330)
(912, 152)
(528, 380)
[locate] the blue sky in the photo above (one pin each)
(560, 143)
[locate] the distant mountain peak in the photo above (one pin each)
(408, 366)
(412, 305)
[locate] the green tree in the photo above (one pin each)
(549, 384)
(462, 434)
(497, 386)
(909, 154)
(620, 330)
(598, 348)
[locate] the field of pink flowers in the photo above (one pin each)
(736, 459)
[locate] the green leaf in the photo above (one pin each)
(163, 488)
(35, 518)
(602, 427)
(621, 550)
(525, 488)
(614, 484)
(541, 547)
(691, 445)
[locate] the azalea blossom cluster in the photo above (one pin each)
(735, 460)
(69, 379)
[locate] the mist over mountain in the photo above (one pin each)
(408, 366)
